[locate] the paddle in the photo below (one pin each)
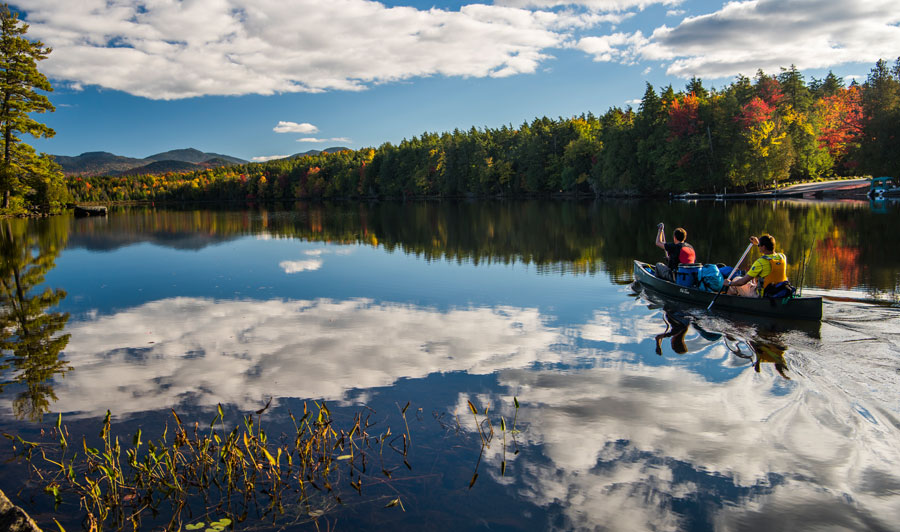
(736, 266)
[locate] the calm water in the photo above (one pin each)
(634, 414)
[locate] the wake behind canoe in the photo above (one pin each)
(797, 308)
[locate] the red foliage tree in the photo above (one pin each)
(769, 91)
(843, 119)
(683, 117)
(755, 112)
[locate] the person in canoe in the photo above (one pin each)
(767, 275)
(678, 252)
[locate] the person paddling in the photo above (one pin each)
(679, 252)
(770, 269)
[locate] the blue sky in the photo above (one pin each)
(265, 78)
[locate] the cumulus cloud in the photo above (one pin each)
(170, 50)
(264, 158)
(597, 5)
(318, 140)
(742, 37)
(294, 127)
(618, 47)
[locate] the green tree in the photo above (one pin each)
(23, 173)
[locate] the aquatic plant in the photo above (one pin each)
(240, 473)
(484, 427)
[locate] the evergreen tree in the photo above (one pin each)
(696, 87)
(881, 101)
(23, 173)
(828, 86)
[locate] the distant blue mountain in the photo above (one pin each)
(105, 163)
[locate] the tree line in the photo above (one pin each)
(752, 134)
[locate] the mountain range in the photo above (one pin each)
(183, 160)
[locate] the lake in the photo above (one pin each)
(606, 408)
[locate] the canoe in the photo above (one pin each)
(795, 308)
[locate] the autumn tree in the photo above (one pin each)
(25, 176)
(842, 121)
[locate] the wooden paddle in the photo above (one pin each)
(736, 266)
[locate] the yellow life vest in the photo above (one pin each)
(778, 266)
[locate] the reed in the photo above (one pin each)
(192, 473)
(484, 427)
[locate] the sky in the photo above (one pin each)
(258, 79)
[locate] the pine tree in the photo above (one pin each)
(23, 173)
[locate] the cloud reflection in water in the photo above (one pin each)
(621, 443)
(160, 353)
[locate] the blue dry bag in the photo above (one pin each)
(710, 278)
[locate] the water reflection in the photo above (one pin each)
(632, 447)
(735, 426)
(757, 350)
(200, 352)
(826, 244)
(30, 342)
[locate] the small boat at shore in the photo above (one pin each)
(795, 308)
(90, 210)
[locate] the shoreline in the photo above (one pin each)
(842, 189)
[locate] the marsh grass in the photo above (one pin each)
(218, 474)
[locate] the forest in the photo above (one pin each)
(750, 135)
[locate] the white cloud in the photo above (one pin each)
(295, 266)
(619, 47)
(332, 139)
(294, 127)
(743, 37)
(675, 12)
(170, 50)
(264, 158)
(597, 5)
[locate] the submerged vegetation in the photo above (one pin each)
(193, 474)
(752, 134)
(195, 477)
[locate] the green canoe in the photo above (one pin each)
(795, 308)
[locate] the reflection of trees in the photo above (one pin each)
(554, 236)
(29, 342)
